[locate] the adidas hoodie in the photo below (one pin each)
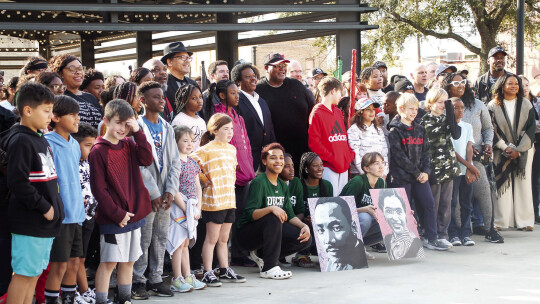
(328, 138)
(33, 183)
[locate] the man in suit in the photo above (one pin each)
(178, 61)
(401, 243)
(254, 110)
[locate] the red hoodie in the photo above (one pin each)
(328, 138)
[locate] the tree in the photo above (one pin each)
(445, 19)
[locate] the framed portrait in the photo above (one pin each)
(397, 223)
(337, 233)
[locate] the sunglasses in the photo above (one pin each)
(57, 87)
(458, 83)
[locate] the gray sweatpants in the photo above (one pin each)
(442, 194)
(482, 194)
(153, 242)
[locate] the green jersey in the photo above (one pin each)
(296, 193)
(263, 194)
(316, 191)
(359, 187)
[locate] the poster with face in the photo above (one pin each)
(397, 223)
(337, 233)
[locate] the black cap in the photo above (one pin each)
(380, 64)
(403, 85)
(173, 48)
(275, 58)
(317, 71)
(496, 50)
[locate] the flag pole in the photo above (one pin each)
(352, 92)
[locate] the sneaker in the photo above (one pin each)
(197, 285)
(283, 262)
(303, 261)
(198, 273)
(437, 244)
(138, 292)
(479, 230)
(79, 299)
(253, 256)
(446, 242)
(468, 242)
(455, 241)
(379, 247)
(231, 277)
(494, 237)
(160, 290)
(424, 242)
(89, 296)
(210, 279)
(243, 262)
(180, 285)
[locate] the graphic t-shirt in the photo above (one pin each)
(90, 202)
(315, 191)
(296, 192)
(188, 178)
(262, 194)
(156, 130)
(359, 187)
(196, 124)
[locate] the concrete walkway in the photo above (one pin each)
(484, 273)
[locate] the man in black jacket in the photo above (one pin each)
(178, 61)
(484, 83)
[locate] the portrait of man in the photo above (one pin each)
(337, 233)
(397, 224)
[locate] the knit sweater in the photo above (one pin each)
(218, 165)
(478, 116)
(117, 184)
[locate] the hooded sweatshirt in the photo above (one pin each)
(33, 183)
(67, 155)
(328, 138)
(117, 184)
(410, 152)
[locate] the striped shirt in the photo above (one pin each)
(218, 165)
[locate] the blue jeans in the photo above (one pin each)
(371, 231)
(536, 180)
(424, 200)
(465, 192)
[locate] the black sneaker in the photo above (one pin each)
(231, 277)
(479, 230)
(138, 292)
(210, 279)
(379, 247)
(494, 237)
(160, 290)
(537, 219)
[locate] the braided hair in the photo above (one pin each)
(125, 91)
(305, 162)
(181, 98)
(216, 88)
(138, 75)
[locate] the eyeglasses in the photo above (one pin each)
(58, 87)
(280, 66)
(458, 83)
(73, 69)
(184, 57)
(158, 70)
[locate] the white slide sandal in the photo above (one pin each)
(276, 273)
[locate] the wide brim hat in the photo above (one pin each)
(173, 48)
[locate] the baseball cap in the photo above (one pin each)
(496, 50)
(317, 71)
(363, 103)
(379, 64)
(275, 58)
(443, 67)
(403, 85)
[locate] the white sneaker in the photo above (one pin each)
(446, 242)
(455, 241)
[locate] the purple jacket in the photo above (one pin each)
(240, 140)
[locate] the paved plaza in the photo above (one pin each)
(484, 273)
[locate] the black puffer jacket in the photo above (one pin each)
(409, 155)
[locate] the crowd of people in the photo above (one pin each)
(132, 179)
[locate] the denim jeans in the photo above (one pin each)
(461, 193)
(371, 231)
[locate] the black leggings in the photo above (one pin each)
(276, 239)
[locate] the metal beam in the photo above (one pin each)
(192, 8)
(186, 27)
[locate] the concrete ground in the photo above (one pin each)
(484, 273)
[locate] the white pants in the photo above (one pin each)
(338, 180)
(515, 208)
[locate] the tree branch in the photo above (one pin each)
(501, 12)
(447, 35)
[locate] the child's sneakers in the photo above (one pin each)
(231, 277)
(180, 285)
(210, 279)
(303, 261)
(197, 285)
(89, 296)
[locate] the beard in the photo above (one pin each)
(164, 87)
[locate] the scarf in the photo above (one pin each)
(520, 137)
